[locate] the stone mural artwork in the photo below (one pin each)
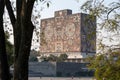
(48, 33)
(70, 30)
(67, 32)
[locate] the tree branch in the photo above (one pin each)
(18, 7)
(30, 5)
(4, 68)
(10, 12)
(111, 11)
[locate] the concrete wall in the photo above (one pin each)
(70, 68)
(42, 69)
(57, 69)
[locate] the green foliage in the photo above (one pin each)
(60, 58)
(106, 67)
(33, 56)
(32, 59)
(9, 50)
(52, 58)
(47, 2)
(102, 12)
(44, 58)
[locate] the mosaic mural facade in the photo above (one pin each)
(67, 32)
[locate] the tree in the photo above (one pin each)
(33, 56)
(51, 57)
(3, 55)
(44, 58)
(62, 57)
(108, 18)
(9, 49)
(23, 30)
(107, 66)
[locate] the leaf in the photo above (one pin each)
(77, 1)
(48, 4)
(41, 0)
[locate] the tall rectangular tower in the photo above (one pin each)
(73, 34)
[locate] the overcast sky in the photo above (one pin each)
(74, 5)
(61, 4)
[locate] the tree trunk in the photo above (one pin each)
(23, 30)
(24, 50)
(22, 61)
(5, 75)
(0, 70)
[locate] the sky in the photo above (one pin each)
(56, 5)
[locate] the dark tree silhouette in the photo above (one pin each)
(3, 56)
